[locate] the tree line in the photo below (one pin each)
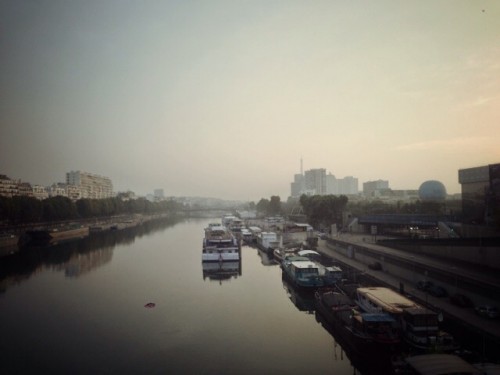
(324, 210)
(22, 209)
(321, 210)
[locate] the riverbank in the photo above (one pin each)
(16, 236)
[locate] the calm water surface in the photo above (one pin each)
(79, 308)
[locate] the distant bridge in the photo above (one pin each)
(207, 209)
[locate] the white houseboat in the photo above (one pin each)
(246, 235)
(268, 241)
(220, 245)
(256, 231)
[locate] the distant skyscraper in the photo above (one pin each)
(348, 185)
(159, 194)
(297, 186)
(332, 184)
(370, 187)
(315, 179)
(317, 182)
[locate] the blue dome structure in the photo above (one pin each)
(432, 191)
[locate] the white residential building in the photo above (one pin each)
(8, 187)
(91, 186)
(40, 192)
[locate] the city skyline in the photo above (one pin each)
(223, 99)
(307, 191)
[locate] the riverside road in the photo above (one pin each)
(486, 330)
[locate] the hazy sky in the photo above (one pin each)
(223, 98)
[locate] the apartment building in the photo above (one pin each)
(91, 186)
(8, 187)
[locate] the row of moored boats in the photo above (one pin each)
(372, 318)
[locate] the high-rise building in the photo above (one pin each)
(158, 195)
(315, 179)
(348, 186)
(92, 186)
(480, 193)
(332, 184)
(297, 186)
(371, 187)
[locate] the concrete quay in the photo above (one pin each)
(401, 270)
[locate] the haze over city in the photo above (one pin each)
(223, 98)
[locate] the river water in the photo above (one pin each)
(80, 308)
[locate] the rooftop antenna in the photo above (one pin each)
(301, 166)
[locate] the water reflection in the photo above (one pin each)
(302, 299)
(247, 326)
(362, 361)
(221, 271)
(266, 258)
(73, 257)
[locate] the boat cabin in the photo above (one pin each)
(380, 326)
(304, 269)
(380, 299)
(333, 273)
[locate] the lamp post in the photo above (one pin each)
(413, 269)
(454, 269)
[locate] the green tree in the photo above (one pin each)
(26, 209)
(58, 208)
(274, 207)
(263, 206)
(323, 210)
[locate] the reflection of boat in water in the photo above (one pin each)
(365, 362)
(8, 243)
(8, 239)
(266, 259)
(220, 271)
(220, 245)
(303, 300)
(57, 234)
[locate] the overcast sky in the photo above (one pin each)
(223, 98)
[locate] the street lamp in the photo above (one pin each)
(413, 268)
(454, 269)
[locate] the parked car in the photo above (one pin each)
(461, 300)
(375, 266)
(424, 285)
(437, 291)
(487, 311)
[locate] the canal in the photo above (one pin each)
(82, 308)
